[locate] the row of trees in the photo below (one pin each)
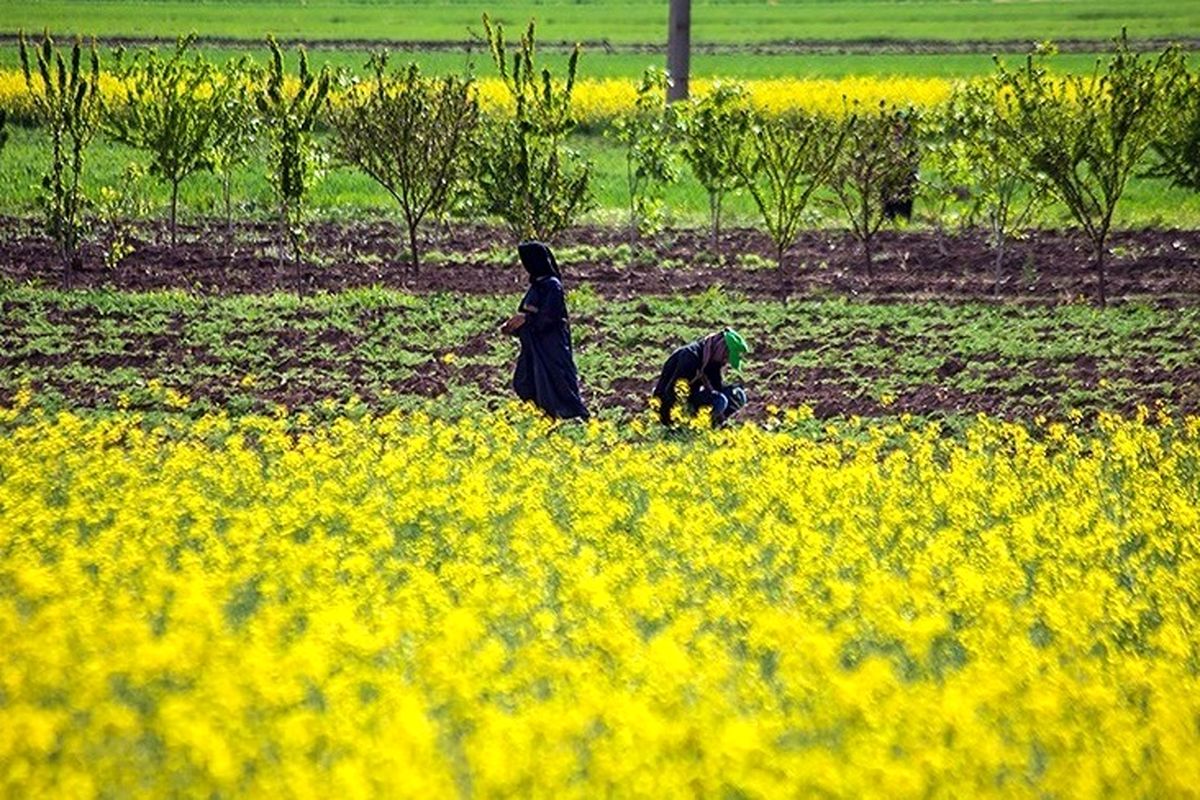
(990, 157)
(422, 139)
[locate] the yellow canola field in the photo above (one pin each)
(600, 100)
(407, 607)
(597, 101)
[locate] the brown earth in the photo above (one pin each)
(300, 368)
(1048, 267)
(1160, 266)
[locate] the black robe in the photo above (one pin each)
(545, 370)
(684, 365)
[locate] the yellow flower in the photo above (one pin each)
(361, 606)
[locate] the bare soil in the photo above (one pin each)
(1050, 266)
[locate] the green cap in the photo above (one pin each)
(736, 346)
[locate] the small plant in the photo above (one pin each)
(176, 108)
(3, 132)
(524, 172)
(876, 162)
(66, 103)
(714, 132)
(645, 134)
(788, 158)
(412, 135)
(116, 208)
(1088, 133)
(288, 115)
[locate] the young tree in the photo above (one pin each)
(714, 132)
(176, 109)
(412, 135)
(242, 127)
(1088, 133)
(944, 186)
(645, 134)
(1004, 189)
(1178, 146)
(66, 103)
(288, 115)
(787, 159)
(524, 172)
(876, 163)
(3, 132)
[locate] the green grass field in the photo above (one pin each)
(829, 20)
(347, 193)
(596, 63)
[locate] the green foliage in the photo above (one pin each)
(524, 171)
(877, 164)
(66, 104)
(1178, 146)
(714, 129)
(178, 109)
(999, 183)
(945, 187)
(788, 158)
(116, 207)
(645, 134)
(1087, 134)
(242, 131)
(289, 117)
(412, 135)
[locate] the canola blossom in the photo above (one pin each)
(402, 606)
(598, 101)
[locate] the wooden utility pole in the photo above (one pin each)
(679, 47)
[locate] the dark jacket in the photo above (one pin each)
(545, 373)
(684, 365)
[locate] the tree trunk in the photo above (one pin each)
(998, 261)
(713, 222)
(714, 208)
(1100, 270)
(939, 236)
(997, 266)
(679, 45)
(174, 208)
(283, 236)
(66, 257)
(297, 264)
(228, 213)
(868, 259)
(633, 224)
(415, 259)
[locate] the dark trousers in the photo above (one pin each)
(703, 397)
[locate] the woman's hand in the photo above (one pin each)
(513, 323)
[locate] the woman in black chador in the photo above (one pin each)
(545, 370)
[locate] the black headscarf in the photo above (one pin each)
(538, 260)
